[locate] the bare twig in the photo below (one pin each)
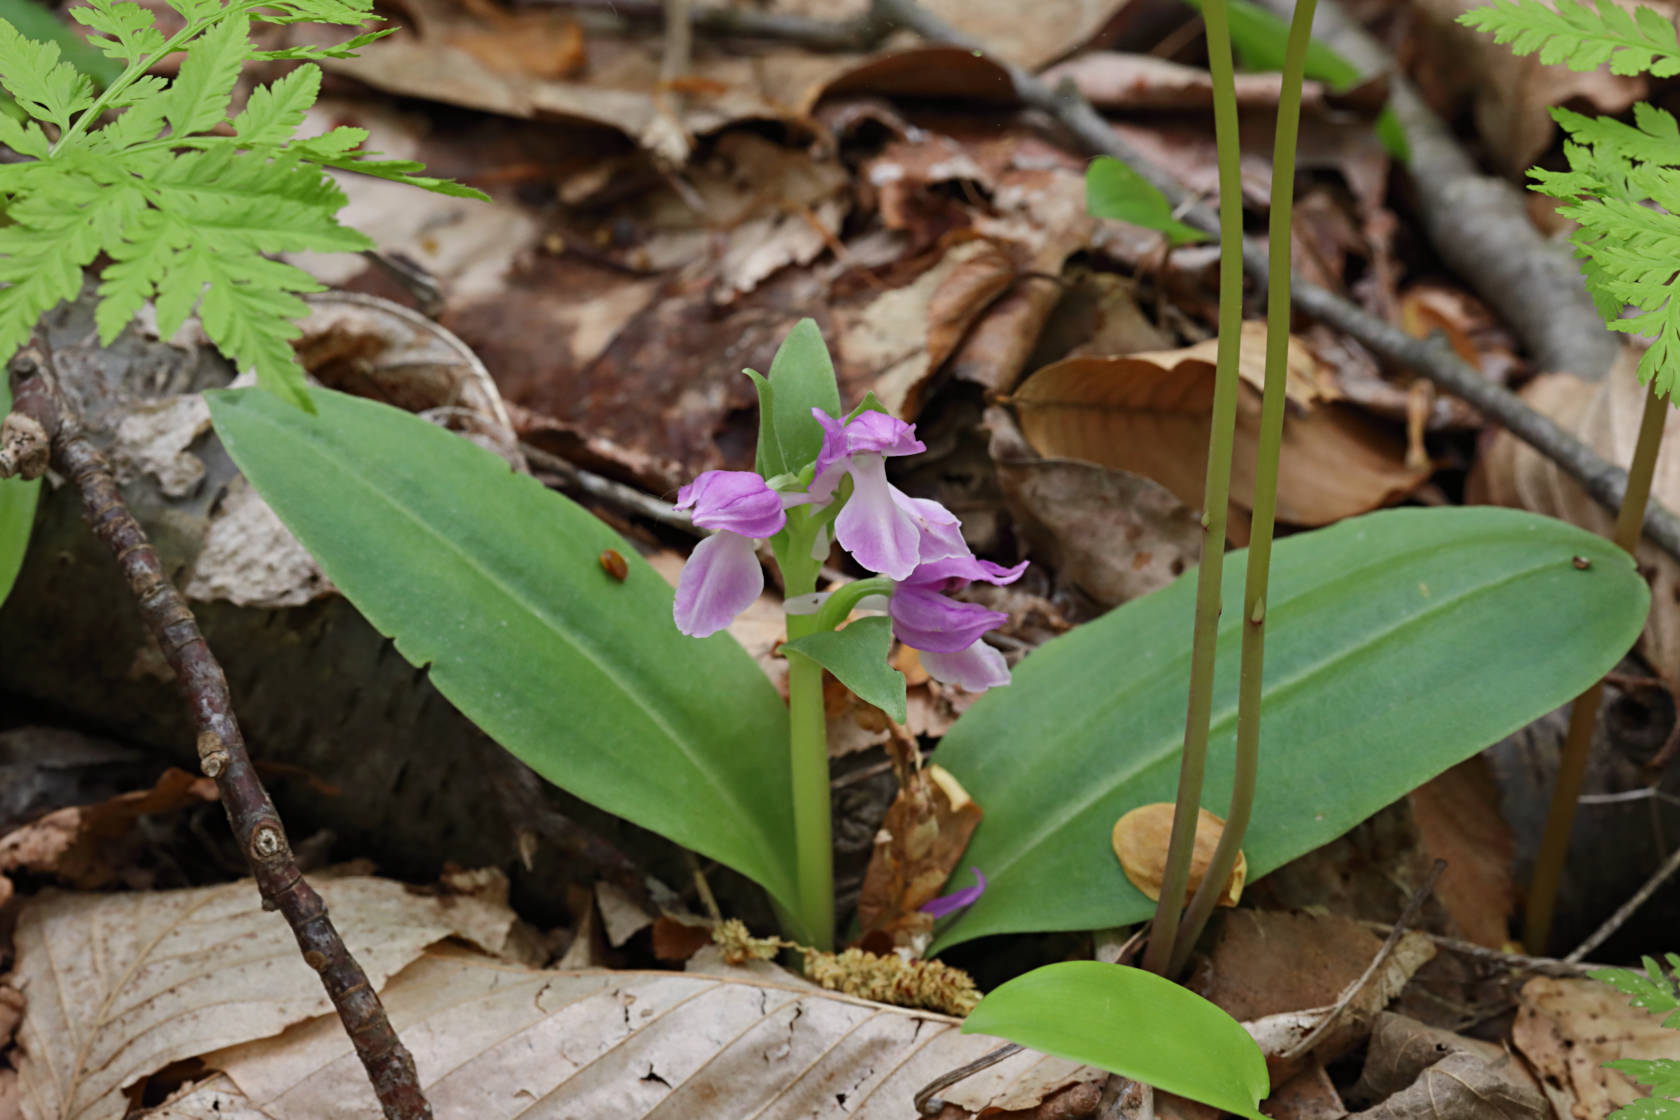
(1431, 357)
(927, 1104)
(606, 490)
(221, 746)
(1479, 223)
(1516, 962)
(1626, 910)
(1419, 897)
(858, 34)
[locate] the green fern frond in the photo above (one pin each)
(1582, 37)
(188, 215)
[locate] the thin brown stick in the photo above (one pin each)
(856, 35)
(221, 746)
(1626, 910)
(1431, 357)
(1499, 958)
(1577, 743)
(1407, 916)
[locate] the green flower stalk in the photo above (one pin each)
(1265, 489)
(1175, 880)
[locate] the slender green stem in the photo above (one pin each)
(128, 77)
(845, 598)
(813, 830)
(1216, 494)
(1265, 490)
(1577, 744)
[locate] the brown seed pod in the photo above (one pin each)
(1141, 838)
(613, 564)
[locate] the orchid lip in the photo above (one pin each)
(946, 905)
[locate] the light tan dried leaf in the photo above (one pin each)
(1417, 1072)
(1148, 414)
(120, 985)
(1605, 415)
(495, 1042)
(1568, 1028)
(1140, 841)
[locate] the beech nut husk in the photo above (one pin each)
(1141, 838)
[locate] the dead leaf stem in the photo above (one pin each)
(1432, 358)
(1577, 743)
(856, 35)
(221, 746)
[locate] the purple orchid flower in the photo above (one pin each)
(948, 904)
(722, 576)
(886, 530)
(946, 632)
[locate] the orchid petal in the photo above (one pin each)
(735, 501)
(880, 434)
(941, 531)
(881, 535)
(949, 904)
(976, 668)
(929, 621)
(720, 580)
(952, 572)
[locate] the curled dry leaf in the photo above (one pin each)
(495, 1042)
(119, 986)
(1417, 1072)
(1140, 841)
(1148, 414)
(1112, 534)
(1605, 415)
(917, 847)
(1568, 1029)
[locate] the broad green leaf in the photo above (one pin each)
(1398, 644)
(495, 584)
(17, 514)
(801, 378)
(1133, 1023)
(1113, 190)
(857, 656)
(1259, 37)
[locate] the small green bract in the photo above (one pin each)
(145, 174)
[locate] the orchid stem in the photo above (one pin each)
(1577, 744)
(1215, 503)
(1265, 491)
(813, 839)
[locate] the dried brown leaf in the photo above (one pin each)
(1568, 1029)
(121, 985)
(494, 1041)
(1140, 843)
(1416, 1072)
(916, 850)
(1148, 414)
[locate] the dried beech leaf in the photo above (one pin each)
(1148, 414)
(1140, 841)
(122, 985)
(493, 1042)
(1417, 1072)
(1568, 1029)
(1605, 415)
(919, 843)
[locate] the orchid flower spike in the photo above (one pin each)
(884, 529)
(722, 576)
(947, 633)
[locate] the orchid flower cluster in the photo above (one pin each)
(914, 546)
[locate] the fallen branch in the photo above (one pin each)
(1626, 910)
(1479, 223)
(43, 419)
(1604, 482)
(859, 34)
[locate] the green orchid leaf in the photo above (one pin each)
(493, 583)
(1398, 644)
(857, 656)
(801, 378)
(17, 513)
(1114, 190)
(1133, 1023)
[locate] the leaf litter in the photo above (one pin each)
(612, 289)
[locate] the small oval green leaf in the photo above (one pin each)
(857, 656)
(1398, 644)
(801, 378)
(1133, 1023)
(495, 584)
(1114, 190)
